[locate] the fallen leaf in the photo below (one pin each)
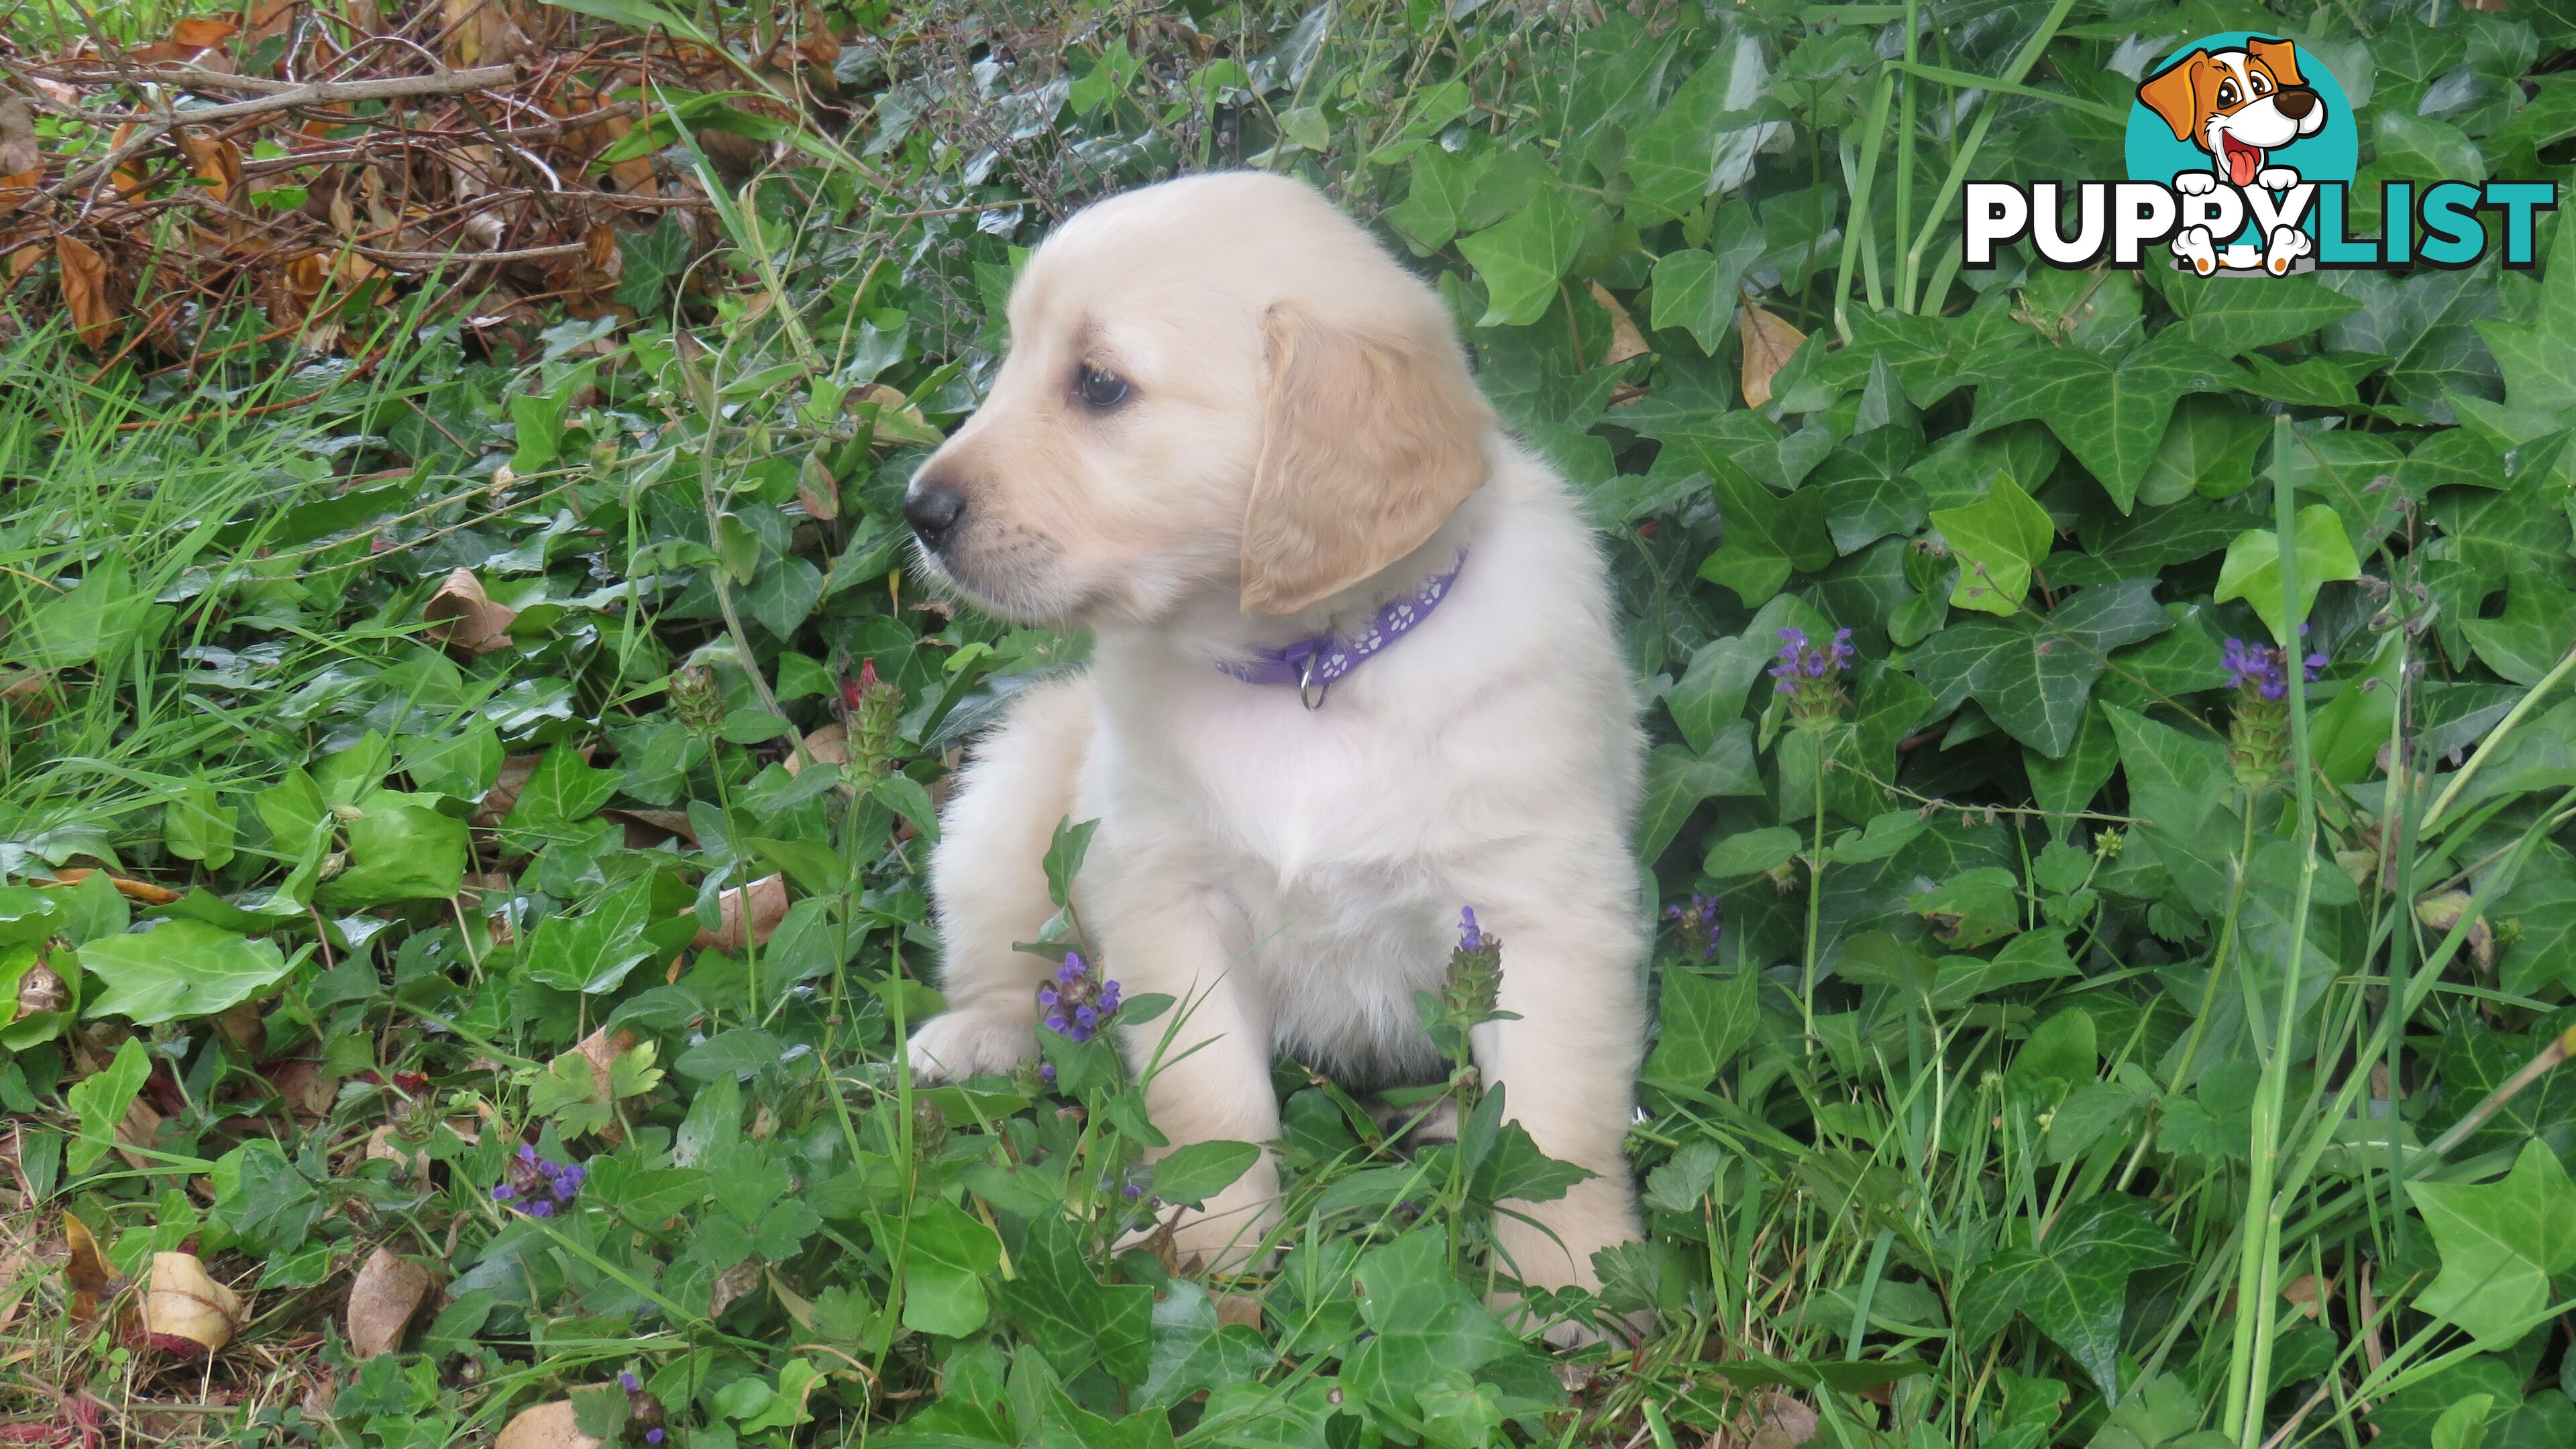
(83, 1270)
(462, 616)
(18, 153)
(382, 1298)
(768, 897)
(1238, 1310)
(1768, 344)
(141, 1125)
(503, 797)
(2302, 1293)
(601, 1049)
(185, 1311)
(307, 1091)
(385, 1144)
(243, 1026)
(547, 1426)
(133, 890)
(659, 824)
(481, 32)
(817, 489)
(1625, 340)
(203, 32)
(2443, 912)
(730, 1285)
(828, 744)
(1786, 1422)
(87, 291)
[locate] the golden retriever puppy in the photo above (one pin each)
(1355, 669)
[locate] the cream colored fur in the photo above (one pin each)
(1302, 435)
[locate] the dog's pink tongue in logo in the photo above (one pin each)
(2243, 161)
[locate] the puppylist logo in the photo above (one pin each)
(2241, 156)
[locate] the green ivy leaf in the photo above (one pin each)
(2501, 1243)
(1521, 260)
(2074, 1284)
(949, 1257)
(1696, 290)
(2252, 571)
(179, 969)
(1677, 781)
(1200, 1170)
(100, 1100)
(2110, 415)
(1998, 540)
(1703, 1020)
(1424, 1323)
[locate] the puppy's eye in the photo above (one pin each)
(2227, 93)
(2260, 86)
(1101, 389)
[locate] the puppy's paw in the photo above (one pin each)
(2277, 178)
(2195, 183)
(2194, 245)
(955, 1045)
(1226, 1234)
(2288, 245)
(1624, 1330)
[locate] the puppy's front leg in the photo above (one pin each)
(1211, 1081)
(1568, 1070)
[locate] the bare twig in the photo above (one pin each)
(444, 83)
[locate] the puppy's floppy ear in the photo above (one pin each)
(1369, 441)
(2177, 94)
(2280, 57)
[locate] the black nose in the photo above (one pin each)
(933, 508)
(2296, 102)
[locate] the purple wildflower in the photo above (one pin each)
(1078, 1001)
(629, 1382)
(539, 1186)
(1697, 918)
(1132, 1191)
(2261, 671)
(1809, 674)
(1470, 938)
(653, 1436)
(1046, 1073)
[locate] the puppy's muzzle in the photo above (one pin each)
(934, 507)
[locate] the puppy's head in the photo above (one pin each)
(1215, 383)
(2237, 105)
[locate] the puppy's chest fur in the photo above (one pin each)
(1326, 852)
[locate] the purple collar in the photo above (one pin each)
(1314, 663)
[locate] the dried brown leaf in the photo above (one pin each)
(185, 1311)
(18, 153)
(730, 1286)
(1238, 1309)
(382, 1298)
(133, 890)
(768, 906)
(462, 616)
(85, 1272)
(828, 744)
(503, 797)
(1625, 340)
(203, 32)
(88, 291)
(1768, 344)
(547, 1426)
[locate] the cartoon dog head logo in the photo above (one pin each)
(2238, 105)
(2254, 116)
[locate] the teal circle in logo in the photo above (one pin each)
(2155, 153)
